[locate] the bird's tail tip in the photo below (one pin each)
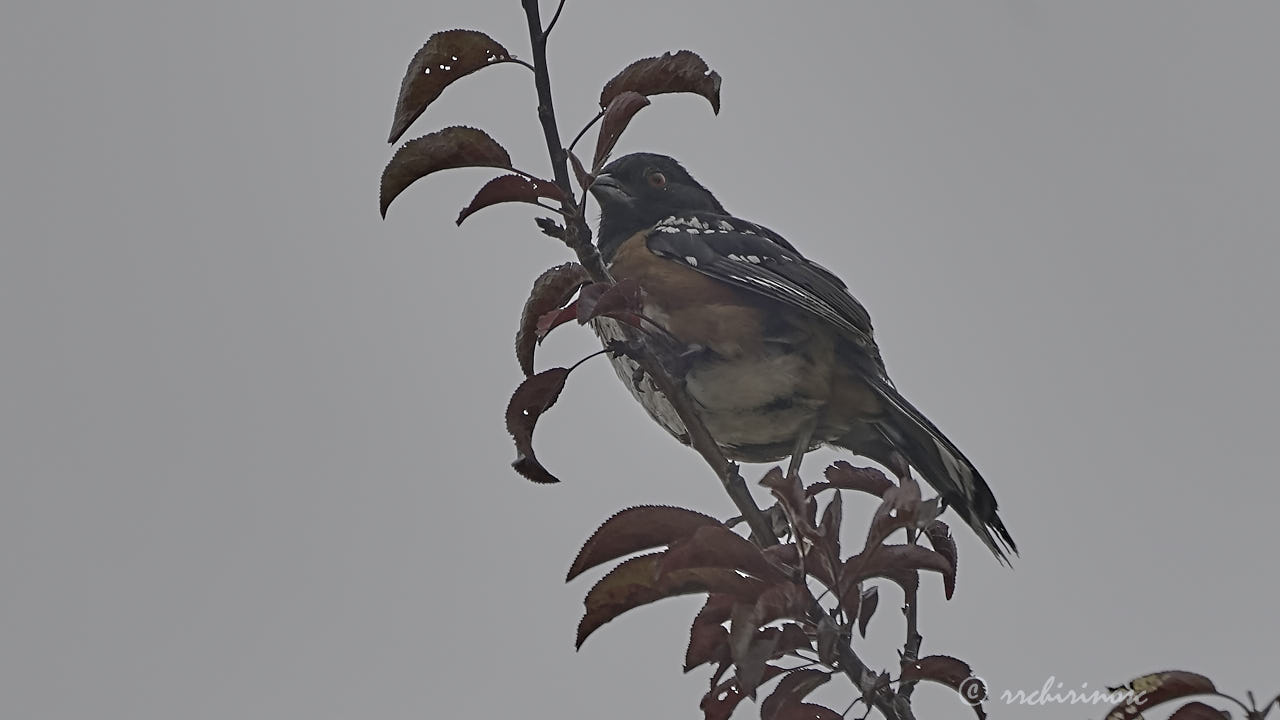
(996, 537)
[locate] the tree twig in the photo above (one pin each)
(577, 234)
(911, 609)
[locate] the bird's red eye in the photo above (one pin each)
(657, 179)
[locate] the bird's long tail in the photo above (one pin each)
(944, 467)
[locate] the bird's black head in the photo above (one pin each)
(636, 191)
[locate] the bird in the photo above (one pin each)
(778, 356)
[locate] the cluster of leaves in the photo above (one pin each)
(786, 611)
(551, 304)
(450, 55)
(453, 54)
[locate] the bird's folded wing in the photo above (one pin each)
(755, 258)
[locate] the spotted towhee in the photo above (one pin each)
(779, 358)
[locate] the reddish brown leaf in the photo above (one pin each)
(707, 643)
(534, 396)
(895, 562)
(636, 529)
(708, 640)
(939, 535)
(447, 56)
(617, 301)
(720, 702)
(554, 319)
(829, 529)
(791, 637)
(588, 296)
(621, 109)
(580, 173)
(868, 602)
(750, 648)
(783, 600)
(951, 672)
(717, 609)
(634, 582)
(511, 188)
(453, 147)
(792, 689)
(790, 493)
(551, 290)
(843, 476)
(806, 711)
(937, 668)
(897, 510)
(1199, 711)
(682, 71)
(1151, 690)
(715, 546)
(851, 601)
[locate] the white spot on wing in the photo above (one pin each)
(691, 260)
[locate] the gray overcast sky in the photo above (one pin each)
(251, 449)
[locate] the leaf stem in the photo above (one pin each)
(554, 19)
(584, 130)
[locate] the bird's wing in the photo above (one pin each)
(755, 258)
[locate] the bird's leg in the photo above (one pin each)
(898, 464)
(801, 447)
(776, 515)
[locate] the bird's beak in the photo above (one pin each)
(607, 189)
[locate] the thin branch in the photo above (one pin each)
(911, 609)
(882, 696)
(577, 234)
(554, 19)
(700, 440)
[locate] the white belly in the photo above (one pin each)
(753, 400)
(749, 404)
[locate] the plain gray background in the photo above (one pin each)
(252, 455)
